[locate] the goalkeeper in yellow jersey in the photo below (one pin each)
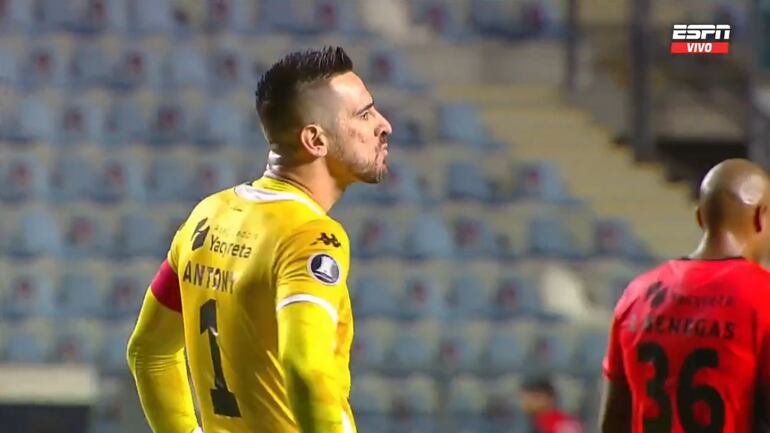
(254, 286)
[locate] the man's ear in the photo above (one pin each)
(314, 140)
(760, 215)
(699, 217)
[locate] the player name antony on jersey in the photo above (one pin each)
(209, 277)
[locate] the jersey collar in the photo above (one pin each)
(271, 189)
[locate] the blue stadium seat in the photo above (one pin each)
(468, 298)
(169, 124)
(492, 17)
(79, 122)
(31, 121)
(461, 122)
(473, 238)
(89, 66)
(227, 70)
(448, 19)
(414, 348)
(134, 67)
(76, 342)
(502, 412)
(35, 234)
(414, 405)
(85, 235)
(169, 225)
(9, 67)
(70, 178)
(615, 237)
(91, 16)
(168, 177)
(43, 65)
(22, 178)
(466, 403)
(467, 181)
(337, 16)
(461, 347)
(16, 16)
(373, 297)
(253, 138)
(371, 345)
(186, 67)
(548, 237)
(516, 296)
(124, 121)
(210, 176)
(399, 186)
(150, 16)
(552, 349)
(117, 179)
(370, 398)
(113, 354)
(218, 125)
(591, 351)
(408, 132)
(507, 348)
(137, 236)
(388, 67)
(377, 237)
(49, 16)
(30, 342)
(30, 293)
(78, 294)
(280, 15)
(124, 295)
(540, 180)
(421, 298)
(428, 237)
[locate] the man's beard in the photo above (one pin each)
(362, 171)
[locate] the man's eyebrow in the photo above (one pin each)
(368, 106)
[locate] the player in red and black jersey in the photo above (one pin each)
(689, 347)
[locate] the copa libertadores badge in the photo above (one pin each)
(324, 268)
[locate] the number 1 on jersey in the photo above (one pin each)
(221, 398)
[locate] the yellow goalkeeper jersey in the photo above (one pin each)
(241, 256)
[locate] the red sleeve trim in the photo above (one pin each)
(165, 287)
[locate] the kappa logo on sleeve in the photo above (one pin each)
(327, 240)
(324, 268)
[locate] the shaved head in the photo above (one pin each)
(733, 206)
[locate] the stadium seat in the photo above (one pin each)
(168, 177)
(124, 121)
(370, 398)
(461, 122)
(210, 176)
(9, 66)
(552, 349)
(468, 297)
(31, 120)
(253, 138)
(337, 16)
(43, 65)
(371, 345)
(113, 354)
(91, 16)
(549, 238)
(466, 403)
(22, 178)
(377, 237)
(150, 16)
(591, 351)
(280, 15)
(493, 18)
(448, 19)
(507, 346)
(30, 293)
(169, 124)
(89, 66)
(118, 178)
(85, 234)
(218, 125)
(461, 346)
(414, 348)
(615, 237)
(227, 69)
(473, 238)
(78, 122)
(30, 342)
(186, 67)
(71, 176)
(502, 413)
(78, 294)
(466, 181)
(134, 67)
(137, 236)
(76, 342)
(373, 297)
(388, 67)
(516, 296)
(35, 233)
(427, 237)
(16, 16)
(414, 405)
(124, 295)
(421, 298)
(540, 180)
(399, 186)
(49, 16)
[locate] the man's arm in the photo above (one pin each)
(311, 282)
(615, 411)
(156, 358)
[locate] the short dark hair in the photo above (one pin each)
(279, 88)
(539, 384)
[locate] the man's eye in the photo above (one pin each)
(365, 116)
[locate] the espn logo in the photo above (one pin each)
(700, 39)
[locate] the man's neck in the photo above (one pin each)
(320, 187)
(720, 246)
